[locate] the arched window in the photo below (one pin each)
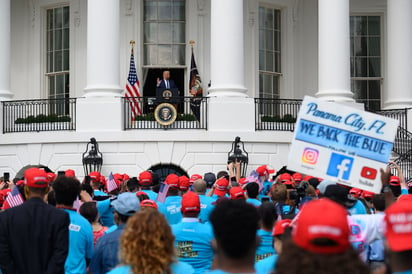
(162, 170)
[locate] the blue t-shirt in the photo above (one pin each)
(80, 243)
(254, 202)
(105, 256)
(266, 187)
(358, 208)
(404, 272)
(152, 195)
(97, 192)
(206, 207)
(266, 265)
(171, 209)
(106, 212)
(193, 243)
(265, 248)
(176, 268)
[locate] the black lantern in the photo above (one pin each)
(93, 158)
(239, 154)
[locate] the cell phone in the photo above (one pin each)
(6, 176)
(87, 180)
(60, 173)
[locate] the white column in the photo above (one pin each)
(5, 32)
(103, 48)
(333, 51)
(399, 85)
(226, 49)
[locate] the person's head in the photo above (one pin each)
(95, 179)
(36, 183)
(340, 195)
(398, 234)
(66, 190)
(221, 187)
(320, 242)
(395, 185)
(222, 173)
(252, 190)
(279, 193)
(277, 233)
(148, 204)
(173, 181)
(264, 172)
(142, 195)
(200, 186)
(132, 185)
(235, 223)
(378, 202)
(268, 215)
(147, 243)
(166, 74)
(125, 206)
(145, 179)
(89, 211)
(184, 183)
(210, 179)
(195, 177)
(190, 205)
(237, 193)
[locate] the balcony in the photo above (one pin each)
(39, 115)
(139, 113)
(276, 114)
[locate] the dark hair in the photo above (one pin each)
(88, 189)
(314, 182)
(235, 223)
(122, 218)
(293, 260)
(51, 200)
(378, 202)
(267, 214)
(142, 197)
(132, 184)
(396, 190)
(89, 211)
(66, 190)
(252, 190)
(221, 174)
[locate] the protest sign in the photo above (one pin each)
(342, 144)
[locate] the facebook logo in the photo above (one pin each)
(340, 166)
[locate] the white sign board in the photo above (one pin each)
(342, 144)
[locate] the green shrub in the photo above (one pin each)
(42, 118)
(288, 118)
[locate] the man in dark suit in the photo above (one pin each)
(34, 236)
(166, 82)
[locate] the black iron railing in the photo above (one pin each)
(39, 115)
(398, 114)
(139, 113)
(276, 114)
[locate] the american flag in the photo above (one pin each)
(111, 183)
(133, 88)
(14, 197)
(161, 196)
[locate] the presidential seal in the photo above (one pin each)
(167, 94)
(165, 114)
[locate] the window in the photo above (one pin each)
(164, 32)
(365, 48)
(269, 53)
(57, 59)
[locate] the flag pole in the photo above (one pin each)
(132, 42)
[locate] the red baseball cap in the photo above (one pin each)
(263, 170)
(280, 227)
(237, 193)
(285, 177)
(172, 180)
(221, 187)
(184, 183)
(398, 220)
(148, 203)
(140, 193)
(21, 182)
(356, 192)
(95, 176)
(51, 176)
(307, 178)
(70, 173)
(195, 177)
(367, 194)
(297, 177)
(394, 181)
(36, 177)
(289, 184)
(190, 202)
(145, 178)
(322, 218)
(243, 181)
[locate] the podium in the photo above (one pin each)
(167, 95)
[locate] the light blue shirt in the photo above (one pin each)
(254, 202)
(358, 208)
(171, 209)
(80, 243)
(106, 212)
(265, 248)
(266, 265)
(193, 243)
(176, 268)
(97, 192)
(206, 207)
(152, 195)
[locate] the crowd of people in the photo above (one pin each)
(268, 222)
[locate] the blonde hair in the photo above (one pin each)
(147, 243)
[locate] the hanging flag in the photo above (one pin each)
(111, 183)
(14, 197)
(195, 87)
(161, 196)
(133, 88)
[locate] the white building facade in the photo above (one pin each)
(337, 50)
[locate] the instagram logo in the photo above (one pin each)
(310, 156)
